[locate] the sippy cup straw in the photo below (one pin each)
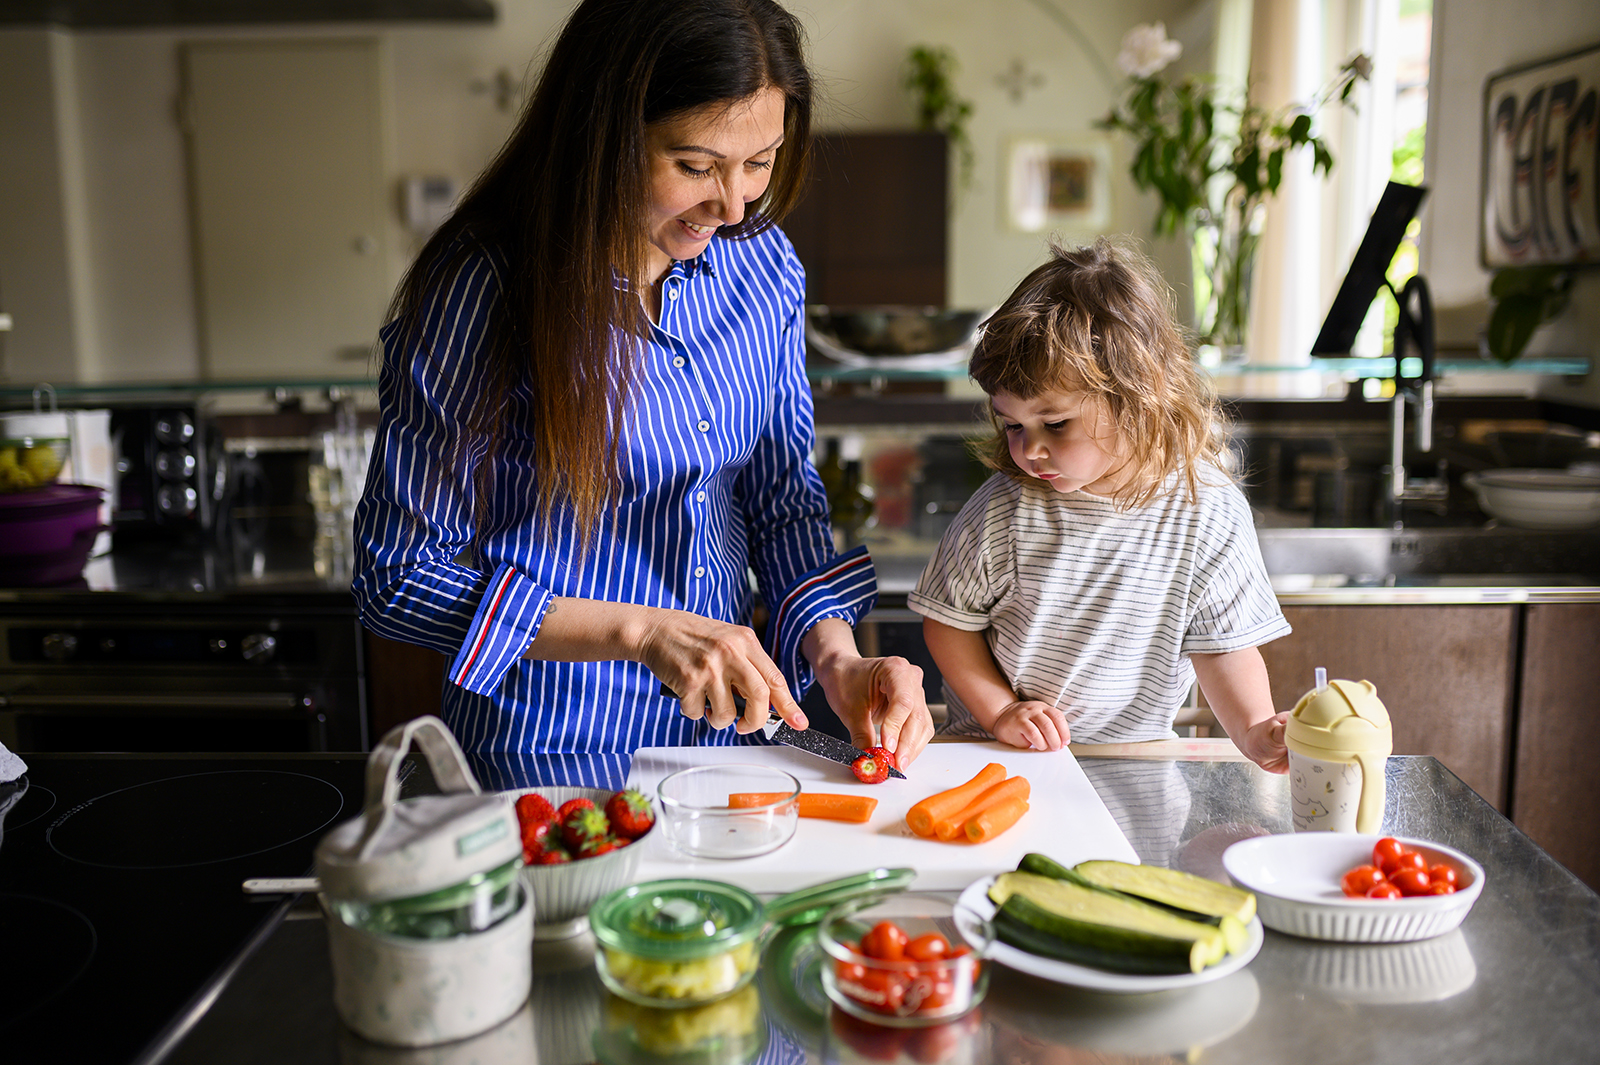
(1322, 678)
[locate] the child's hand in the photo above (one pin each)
(1029, 724)
(1263, 744)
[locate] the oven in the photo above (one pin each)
(187, 675)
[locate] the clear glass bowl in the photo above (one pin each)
(909, 992)
(677, 942)
(696, 819)
(30, 462)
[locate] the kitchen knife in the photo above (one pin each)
(812, 741)
(817, 742)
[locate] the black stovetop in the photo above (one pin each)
(121, 909)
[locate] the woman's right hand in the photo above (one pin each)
(1032, 725)
(706, 663)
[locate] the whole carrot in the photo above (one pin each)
(823, 805)
(922, 817)
(989, 823)
(954, 826)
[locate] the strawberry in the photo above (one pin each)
(583, 825)
(533, 808)
(593, 848)
(554, 853)
(886, 754)
(629, 813)
(871, 768)
(537, 837)
(571, 805)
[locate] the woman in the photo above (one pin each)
(596, 421)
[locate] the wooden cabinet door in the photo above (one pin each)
(1558, 735)
(291, 231)
(1445, 673)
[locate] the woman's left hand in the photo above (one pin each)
(881, 701)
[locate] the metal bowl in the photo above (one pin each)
(1538, 499)
(899, 338)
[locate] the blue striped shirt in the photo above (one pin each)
(717, 482)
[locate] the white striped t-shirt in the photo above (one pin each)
(1096, 610)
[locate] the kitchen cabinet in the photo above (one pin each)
(292, 235)
(1558, 734)
(1446, 673)
(403, 682)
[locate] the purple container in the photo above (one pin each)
(46, 534)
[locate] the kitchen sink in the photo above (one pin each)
(1358, 553)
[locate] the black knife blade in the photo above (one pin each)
(819, 743)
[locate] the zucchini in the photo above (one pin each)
(1170, 887)
(1097, 909)
(1026, 925)
(1040, 865)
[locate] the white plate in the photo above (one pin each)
(1296, 880)
(976, 900)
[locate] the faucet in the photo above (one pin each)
(1413, 327)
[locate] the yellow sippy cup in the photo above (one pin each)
(1339, 740)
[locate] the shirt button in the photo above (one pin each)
(700, 497)
(699, 571)
(678, 361)
(705, 426)
(672, 293)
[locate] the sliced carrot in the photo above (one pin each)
(924, 815)
(988, 824)
(819, 804)
(954, 826)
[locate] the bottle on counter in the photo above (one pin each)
(1339, 740)
(849, 497)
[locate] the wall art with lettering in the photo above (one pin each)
(1541, 163)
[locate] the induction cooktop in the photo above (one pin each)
(121, 909)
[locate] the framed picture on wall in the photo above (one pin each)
(1056, 182)
(1541, 189)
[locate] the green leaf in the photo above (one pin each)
(1512, 324)
(1300, 129)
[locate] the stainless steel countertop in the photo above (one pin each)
(1518, 982)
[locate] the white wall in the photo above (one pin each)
(95, 258)
(1474, 39)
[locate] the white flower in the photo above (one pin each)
(1146, 50)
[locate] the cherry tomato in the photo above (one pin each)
(1440, 887)
(887, 990)
(1386, 850)
(1410, 881)
(1444, 874)
(1358, 881)
(1413, 860)
(886, 942)
(875, 1042)
(1384, 890)
(849, 972)
(930, 947)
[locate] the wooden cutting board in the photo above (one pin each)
(1066, 819)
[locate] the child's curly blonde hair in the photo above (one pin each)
(1099, 319)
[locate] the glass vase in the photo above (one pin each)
(1222, 249)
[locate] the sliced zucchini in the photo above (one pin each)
(1170, 887)
(1094, 907)
(1028, 926)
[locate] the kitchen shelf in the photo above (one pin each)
(21, 396)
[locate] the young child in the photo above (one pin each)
(1110, 560)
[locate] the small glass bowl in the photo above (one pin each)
(697, 820)
(907, 993)
(677, 943)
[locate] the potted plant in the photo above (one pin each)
(1525, 298)
(1214, 159)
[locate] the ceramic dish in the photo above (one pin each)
(1296, 881)
(1538, 499)
(975, 899)
(562, 894)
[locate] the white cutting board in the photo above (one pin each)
(1065, 820)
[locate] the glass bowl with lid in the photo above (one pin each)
(683, 942)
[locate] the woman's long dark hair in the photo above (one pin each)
(566, 200)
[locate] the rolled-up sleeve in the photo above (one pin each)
(416, 576)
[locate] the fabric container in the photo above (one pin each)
(429, 924)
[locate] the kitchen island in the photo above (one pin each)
(1519, 981)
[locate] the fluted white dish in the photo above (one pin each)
(562, 894)
(1538, 499)
(1296, 880)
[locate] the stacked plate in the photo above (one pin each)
(1538, 499)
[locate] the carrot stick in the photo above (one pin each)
(989, 823)
(922, 817)
(819, 804)
(954, 826)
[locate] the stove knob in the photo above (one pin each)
(258, 647)
(177, 500)
(60, 646)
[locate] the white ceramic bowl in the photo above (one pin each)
(1538, 499)
(1296, 881)
(562, 894)
(692, 810)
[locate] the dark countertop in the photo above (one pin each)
(1508, 986)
